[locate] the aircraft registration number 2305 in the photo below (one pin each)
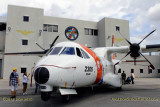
(88, 70)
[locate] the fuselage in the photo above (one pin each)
(69, 65)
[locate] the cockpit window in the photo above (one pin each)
(55, 51)
(85, 55)
(78, 52)
(68, 51)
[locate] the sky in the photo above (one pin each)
(143, 15)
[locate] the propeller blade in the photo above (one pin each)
(40, 52)
(148, 61)
(40, 46)
(134, 60)
(54, 41)
(146, 36)
(125, 38)
(123, 57)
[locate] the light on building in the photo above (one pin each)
(9, 29)
(40, 31)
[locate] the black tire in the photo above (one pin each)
(66, 98)
(119, 88)
(45, 96)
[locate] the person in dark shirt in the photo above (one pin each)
(14, 82)
(123, 75)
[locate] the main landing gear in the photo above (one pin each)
(119, 88)
(45, 96)
(66, 98)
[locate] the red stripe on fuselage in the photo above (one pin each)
(98, 63)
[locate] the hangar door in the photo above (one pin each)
(0, 68)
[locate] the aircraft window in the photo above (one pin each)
(85, 55)
(55, 51)
(68, 51)
(79, 52)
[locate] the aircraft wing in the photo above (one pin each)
(150, 48)
(125, 49)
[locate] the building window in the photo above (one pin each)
(150, 71)
(86, 31)
(119, 71)
(50, 28)
(45, 27)
(55, 28)
(132, 70)
(91, 31)
(2, 27)
(158, 70)
(117, 28)
(24, 42)
(23, 70)
(96, 32)
(26, 18)
(141, 70)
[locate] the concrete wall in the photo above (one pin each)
(110, 30)
(18, 62)
(101, 33)
(15, 21)
(63, 23)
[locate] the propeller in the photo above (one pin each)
(135, 50)
(40, 46)
(54, 41)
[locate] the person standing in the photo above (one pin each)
(123, 75)
(37, 87)
(132, 78)
(25, 82)
(14, 82)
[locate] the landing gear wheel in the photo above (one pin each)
(45, 96)
(119, 88)
(65, 98)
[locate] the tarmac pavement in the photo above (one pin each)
(145, 92)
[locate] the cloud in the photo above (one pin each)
(154, 12)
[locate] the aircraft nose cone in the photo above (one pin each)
(41, 75)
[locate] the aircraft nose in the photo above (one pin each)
(41, 75)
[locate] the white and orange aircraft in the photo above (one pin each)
(69, 65)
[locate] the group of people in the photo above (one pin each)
(14, 82)
(128, 80)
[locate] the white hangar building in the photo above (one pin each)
(24, 26)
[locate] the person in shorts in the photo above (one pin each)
(14, 82)
(25, 82)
